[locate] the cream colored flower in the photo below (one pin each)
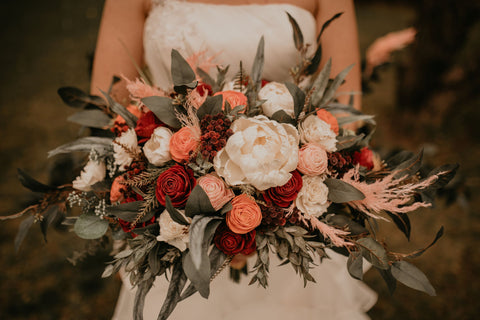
(315, 130)
(278, 98)
(312, 160)
(313, 197)
(261, 152)
(128, 139)
(171, 232)
(93, 172)
(157, 148)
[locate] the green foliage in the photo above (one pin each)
(93, 118)
(198, 203)
(182, 74)
(116, 107)
(341, 192)
(374, 252)
(101, 145)
(212, 105)
(164, 109)
(90, 226)
(412, 277)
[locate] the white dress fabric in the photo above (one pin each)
(233, 33)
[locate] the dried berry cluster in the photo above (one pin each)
(215, 132)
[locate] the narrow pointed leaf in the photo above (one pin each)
(327, 23)
(337, 82)
(257, 68)
(402, 221)
(198, 203)
(163, 108)
(349, 119)
(355, 265)
(23, 231)
(283, 117)
(177, 283)
(30, 183)
(182, 73)
(374, 252)
(298, 98)
(201, 233)
(93, 118)
(345, 142)
(412, 277)
(86, 144)
(409, 167)
(116, 107)
(297, 32)
(340, 191)
(321, 82)
(76, 98)
(174, 213)
(139, 301)
(315, 61)
(421, 251)
(390, 281)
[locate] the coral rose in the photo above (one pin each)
(176, 182)
(234, 98)
(283, 196)
(183, 143)
(261, 152)
(329, 118)
(312, 160)
(117, 190)
(232, 243)
(216, 190)
(245, 214)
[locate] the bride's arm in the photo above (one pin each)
(122, 22)
(340, 42)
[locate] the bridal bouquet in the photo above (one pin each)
(192, 178)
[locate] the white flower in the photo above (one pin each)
(278, 98)
(157, 149)
(313, 197)
(171, 232)
(315, 130)
(93, 172)
(261, 152)
(128, 140)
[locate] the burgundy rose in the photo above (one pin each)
(232, 243)
(203, 87)
(364, 158)
(176, 182)
(146, 124)
(283, 196)
(127, 226)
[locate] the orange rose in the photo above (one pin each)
(117, 190)
(234, 98)
(183, 143)
(328, 118)
(245, 215)
(216, 190)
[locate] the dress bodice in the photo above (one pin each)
(229, 32)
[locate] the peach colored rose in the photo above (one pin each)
(245, 215)
(116, 194)
(328, 118)
(216, 190)
(312, 160)
(183, 143)
(234, 98)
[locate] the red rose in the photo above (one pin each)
(127, 226)
(176, 182)
(363, 158)
(284, 195)
(232, 243)
(146, 124)
(203, 87)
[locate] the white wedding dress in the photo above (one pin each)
(233, 33)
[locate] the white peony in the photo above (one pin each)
(261, 152)
(313, 197)
(128, 139)
(315, 130)
(278, 98)
(93, 172)
(171, 232)
(157, 148)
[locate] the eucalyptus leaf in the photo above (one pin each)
(298, 98)
(342, 222)
(182, 73)
(76, 98)
(199, 277)
(90, 226)
(349, 119)
(257, 67)
(86, 144)
(198, 203)
(282, 117)
(337, 82)
(30, 183)
(23, 231)
(374, 252)
(355, 265)
(297, 32)
(177, 283)
(130, 119)
(174, 213)
(163, 108)
(345, 142)
(390, 281)
(341, 192)
(93, 118)
(412, 277)
(212, 105)
(201, 233)
(321, 82)
(139, 302)
(409, 167)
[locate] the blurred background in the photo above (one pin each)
(426, 96)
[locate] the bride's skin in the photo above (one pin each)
(123, 21)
